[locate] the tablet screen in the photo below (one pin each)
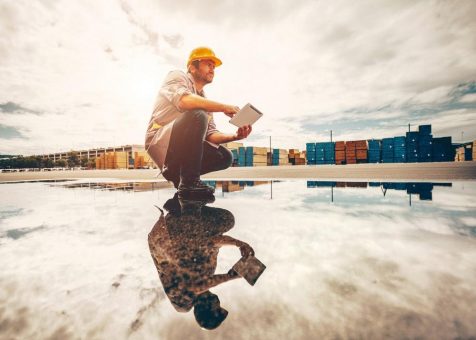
(248, 115)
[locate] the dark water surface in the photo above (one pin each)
(103, 260)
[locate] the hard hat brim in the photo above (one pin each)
(216, 60)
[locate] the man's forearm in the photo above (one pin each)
(194, 102)
(222, 240)
(220, 138)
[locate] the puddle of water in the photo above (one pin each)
(343, 259)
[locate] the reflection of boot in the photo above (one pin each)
(171, 176)
(173, 205)
(194, 206)
(194, 188)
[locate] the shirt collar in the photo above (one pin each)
(190, 77)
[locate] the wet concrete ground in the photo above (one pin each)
(390, 172)
(343, 260)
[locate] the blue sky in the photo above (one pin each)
(84, 74)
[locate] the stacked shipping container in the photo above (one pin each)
(241, 156)
(233, 147)
(374, 150)
(325, 153)
(340, 152)
(442, 150)
(350, 153)
(399, 150)
(256, 156)
(296, 157)
(425, 142)
(388, 145)
(320, 153)
(279, 157)
(412, 146)
(311, 153)
(361, 151)
(464, 153)
(417, 146)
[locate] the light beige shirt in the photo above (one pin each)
(176, 85)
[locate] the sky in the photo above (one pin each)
(85, 74)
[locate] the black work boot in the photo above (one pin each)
(171, 176)
(194, 188)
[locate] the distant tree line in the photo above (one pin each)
(20, 162)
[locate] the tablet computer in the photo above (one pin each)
(250, 268)
(246, 116)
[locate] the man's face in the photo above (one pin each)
(205, 71)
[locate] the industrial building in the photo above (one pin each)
(116, 157)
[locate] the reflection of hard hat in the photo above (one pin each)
(203, 53)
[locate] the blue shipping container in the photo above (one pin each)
(424, 129)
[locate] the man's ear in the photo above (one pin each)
(193, 67)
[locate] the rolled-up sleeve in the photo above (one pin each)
(175, 86)
(212, 128)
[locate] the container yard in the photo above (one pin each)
(416, 155)
(412, 147)
(415, 147)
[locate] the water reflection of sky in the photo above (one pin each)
(341, 262)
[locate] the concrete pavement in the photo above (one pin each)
(374, 172)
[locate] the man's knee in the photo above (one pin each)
(198, 115)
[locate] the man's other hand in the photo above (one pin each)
(230, 110)
(246, 250)
(243, 132)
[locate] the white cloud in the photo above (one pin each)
(454, 122)
(468, 98)
(433, 96)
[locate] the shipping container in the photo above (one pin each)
(442, 150)
(374, 152)
(321, 184)
(424, 130)
(340, 146)
(387, 150)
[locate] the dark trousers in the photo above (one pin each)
(188, 154)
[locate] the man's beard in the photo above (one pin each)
(205, 79)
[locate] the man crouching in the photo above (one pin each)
(182, 137)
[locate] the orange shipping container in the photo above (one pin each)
(349, 145)
(361, 144)
(356, 184)
(340, 146)
(361, 154)
(340, 154)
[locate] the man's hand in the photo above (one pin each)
(243, 132)
(232, 274)
(246, 250)
(230, 110)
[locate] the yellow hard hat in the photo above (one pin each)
(203, 53)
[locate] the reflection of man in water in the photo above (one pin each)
(184, 245)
